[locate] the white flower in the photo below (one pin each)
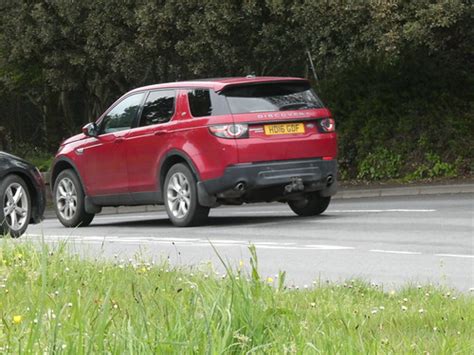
(421, 310)
(374, 311)
(381, 308)
(69, 304)
(404, 308)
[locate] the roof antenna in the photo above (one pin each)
(312, 66)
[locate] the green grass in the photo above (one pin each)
(54, 301)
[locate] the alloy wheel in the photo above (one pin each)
(15, 206)
(66, 198)
(179, 195)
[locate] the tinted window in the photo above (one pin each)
(271, 97)
(122, 115)
(205, 102)
(200, 102)
(158, 108)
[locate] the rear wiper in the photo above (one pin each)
(296, 106)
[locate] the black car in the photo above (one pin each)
(22, 195)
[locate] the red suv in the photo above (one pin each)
(200, 144)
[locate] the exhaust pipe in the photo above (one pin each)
(329, 180)
(240, 186)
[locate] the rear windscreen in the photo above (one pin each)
(271, 97)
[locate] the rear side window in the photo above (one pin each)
(270, 97)
(205, 102)
(158, 108)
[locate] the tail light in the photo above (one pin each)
(327, 125)
(230, 131)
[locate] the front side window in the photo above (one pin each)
(158, 108)
(270, 97)
(122, 115)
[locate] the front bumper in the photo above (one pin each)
(312, 172)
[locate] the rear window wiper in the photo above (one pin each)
(297, 106)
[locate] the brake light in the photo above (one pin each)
(327, 125)
(230, 131)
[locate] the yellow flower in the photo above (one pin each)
(269, 280)
(19, 256)
(241, 263)
(17, 319)
(143, 270)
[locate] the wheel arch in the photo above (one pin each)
(171, 158)
(60, 165)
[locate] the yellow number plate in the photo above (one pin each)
(286, 128)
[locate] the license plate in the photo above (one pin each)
(285, 128)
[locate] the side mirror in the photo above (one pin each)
(90, 130)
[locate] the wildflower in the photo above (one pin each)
(454, 298)
(206, 276)
(305, 286)
(381, 308)
(66, 269)
(404, 308)
(374, 311)
(312, 304)
(241, 264)
(69, 304)
(418, 286)
(64, 346)
(143, 270)
(115, 306)
(56, 293)
(17, 319)
(392, 293)
(471, 289)
(421, 310)
(427, 294)
(405, 300)
(35, 321)
(435, 329)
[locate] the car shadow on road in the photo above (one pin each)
(215, 221)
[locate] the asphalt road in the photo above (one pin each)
(390, 241)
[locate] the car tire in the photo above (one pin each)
(69, 200)
(15, 213)
(312, 205)
(181, 198)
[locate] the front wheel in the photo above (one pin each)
(69, 200)
(312, 205)
(16, 206)
(181, 201)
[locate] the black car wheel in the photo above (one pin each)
(16, 206)
(312, 205)
(181, 200)
(69, 200)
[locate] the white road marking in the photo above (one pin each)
(183, 242)
(456, 255)
(395, 252)
(403, 210)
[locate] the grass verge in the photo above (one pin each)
(56, 302)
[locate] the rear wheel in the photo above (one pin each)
(16, 206)
(312, 205)
(181, 201)
(69, 200)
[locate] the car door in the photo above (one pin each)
(105, 163)
(146, 143)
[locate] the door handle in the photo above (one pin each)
(118, 140)
(159, 133)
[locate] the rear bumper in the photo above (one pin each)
(313, 173)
